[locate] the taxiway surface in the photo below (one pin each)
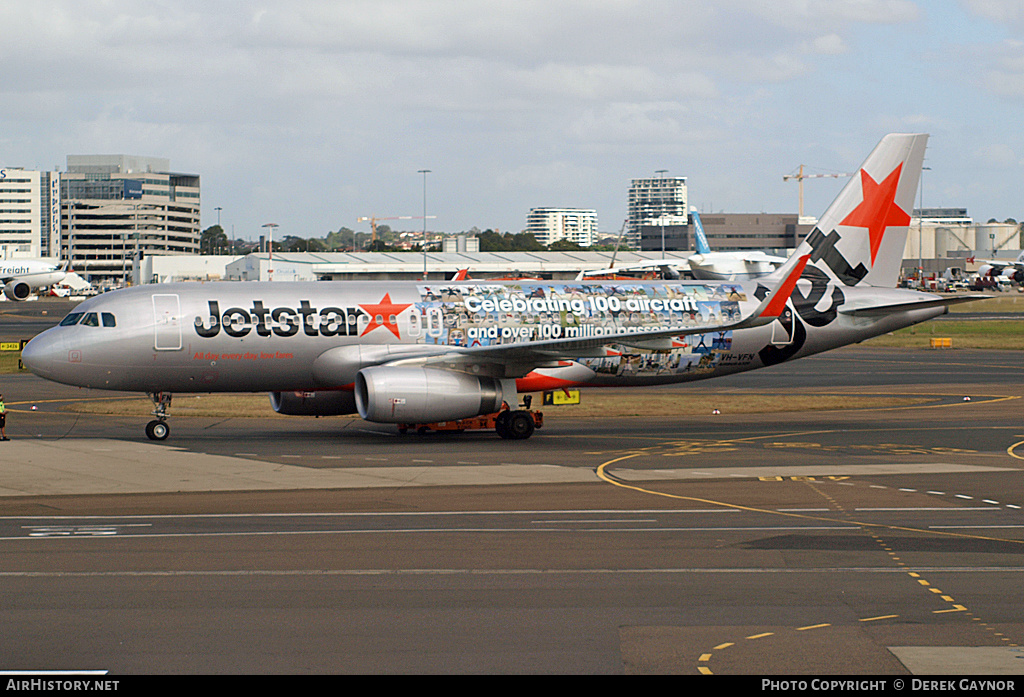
(882, 541)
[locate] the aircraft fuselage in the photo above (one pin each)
(254, 337)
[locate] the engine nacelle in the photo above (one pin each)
(424, 395)
(17, 290)
(323, 403)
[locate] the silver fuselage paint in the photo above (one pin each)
(266, 337)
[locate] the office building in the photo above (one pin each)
(116, 208)
(656, 201)
(29, 213)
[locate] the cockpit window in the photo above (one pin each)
(91, 320)
(108, 320)
(71, 319)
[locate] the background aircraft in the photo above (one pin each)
(704, 264)
(22, 276)
(421, 352)
(727, 266)
(1010, 270)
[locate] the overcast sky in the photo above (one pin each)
(313, 113)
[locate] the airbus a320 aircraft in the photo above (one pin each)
(422, 352)
(21, 276)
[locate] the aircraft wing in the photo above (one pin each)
(667, 266)
(999, 264)
(519, 358)
(869, 310)
(762, 258)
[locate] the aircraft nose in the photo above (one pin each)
(43, 354)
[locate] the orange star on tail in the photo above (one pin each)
(878, 210)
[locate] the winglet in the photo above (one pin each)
(775, 302)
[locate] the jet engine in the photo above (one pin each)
(323, 403)
(424, 395)
(1010, 273)
(17, 290)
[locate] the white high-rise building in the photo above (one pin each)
(549, 225)
(29, 213)
(655, 201)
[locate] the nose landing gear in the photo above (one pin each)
(158, 428)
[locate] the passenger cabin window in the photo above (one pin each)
(91, 319)
(108, 320)
(71, 319)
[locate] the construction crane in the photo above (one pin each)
(374, 219)
(800, 176)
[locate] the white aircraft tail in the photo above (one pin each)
(861, 237)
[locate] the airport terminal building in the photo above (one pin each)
(729, 232)
(374, 266)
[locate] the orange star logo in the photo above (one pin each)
(878, 210)
(384, 314)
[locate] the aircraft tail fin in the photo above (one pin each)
(700, 238)
(861, 237)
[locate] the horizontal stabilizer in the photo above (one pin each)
(874, 310)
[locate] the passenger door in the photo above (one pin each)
(167, 313)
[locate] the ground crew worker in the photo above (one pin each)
(3, 419)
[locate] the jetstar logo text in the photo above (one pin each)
(279, 321)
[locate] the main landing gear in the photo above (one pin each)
(158, 428)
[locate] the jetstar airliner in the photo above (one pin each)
(422, 352)
(21, 276)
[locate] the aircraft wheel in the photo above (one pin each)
(521, 425)
(157, 430)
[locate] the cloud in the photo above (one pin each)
(829, 44)
(345, 99)
(997, 155)
(1005, 11)
(1004, 68)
